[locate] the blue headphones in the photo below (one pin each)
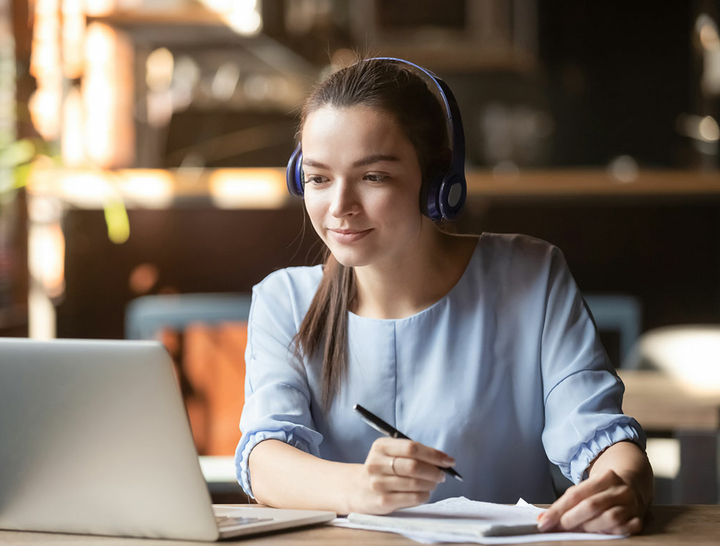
(446, 192)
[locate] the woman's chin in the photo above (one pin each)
(350, 258)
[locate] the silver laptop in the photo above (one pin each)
(94, 439)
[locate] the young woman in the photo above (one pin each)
(480, 349)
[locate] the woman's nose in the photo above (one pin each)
(344, 200)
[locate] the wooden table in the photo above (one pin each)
(665, 526)
(664, 404)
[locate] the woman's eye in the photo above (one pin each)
(314, 180)
(375, 177)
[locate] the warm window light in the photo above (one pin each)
(243, 16)
(98, 94)
(46, 257)
(149, 188)
(247, 23)
(87, 189)
(251, 188)
(100, 7)
(690, 354)
(73, 154)
(44, 106)
(73, 34)
(45, 65)
(664, 455)
(41, 315)
(107, 90)
(159, 69)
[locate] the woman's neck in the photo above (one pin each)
(414, 281)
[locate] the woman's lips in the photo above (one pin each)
(347, 235)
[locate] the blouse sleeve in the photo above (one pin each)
(583, 395)
(277, 396)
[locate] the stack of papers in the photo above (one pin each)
(463, 520)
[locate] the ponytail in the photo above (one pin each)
(326, 325)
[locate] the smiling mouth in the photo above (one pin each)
(347, 236)
(349, 231)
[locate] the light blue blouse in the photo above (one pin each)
(503, 373)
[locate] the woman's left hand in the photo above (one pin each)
(604, 503)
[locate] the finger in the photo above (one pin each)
(415, 450)
(394, 484)
(595, 506)
(414, 468)
(632, 527)
(390, 502)
(574, 495)
(612, 518)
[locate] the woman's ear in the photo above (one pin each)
(433, 177)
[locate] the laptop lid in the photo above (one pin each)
(94, 439)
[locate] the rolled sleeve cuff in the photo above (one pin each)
(297, 436)
(629, 430)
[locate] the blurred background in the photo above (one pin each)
(142, 192)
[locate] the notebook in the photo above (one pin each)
(459, 519)
(94, 439)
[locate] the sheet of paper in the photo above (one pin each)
(464, 512)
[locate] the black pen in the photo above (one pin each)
(381, 426)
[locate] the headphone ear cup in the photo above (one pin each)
(294, 175)
(451, 196)
(430, 195)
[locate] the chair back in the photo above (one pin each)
(206, 335)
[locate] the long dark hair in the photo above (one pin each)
(395, 89)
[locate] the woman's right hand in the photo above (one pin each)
(397, 474)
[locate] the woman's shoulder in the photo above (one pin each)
(516, 248)
(513, 259)
(292, 279)
(514, 242)
(292, 286)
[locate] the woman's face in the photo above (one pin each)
(362, 184)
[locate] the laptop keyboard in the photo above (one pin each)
(225, 522)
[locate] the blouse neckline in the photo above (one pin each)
(430, 308)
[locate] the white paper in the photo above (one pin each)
(466, 515)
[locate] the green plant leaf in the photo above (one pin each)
(117, 221)
(17, 153)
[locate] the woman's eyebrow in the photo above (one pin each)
(375, 158)
(312, 163)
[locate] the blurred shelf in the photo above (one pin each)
(593, 183)
(186, 26)
(265, 188)
(194, 14)
(463, 58)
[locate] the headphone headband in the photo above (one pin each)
(444, 194)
